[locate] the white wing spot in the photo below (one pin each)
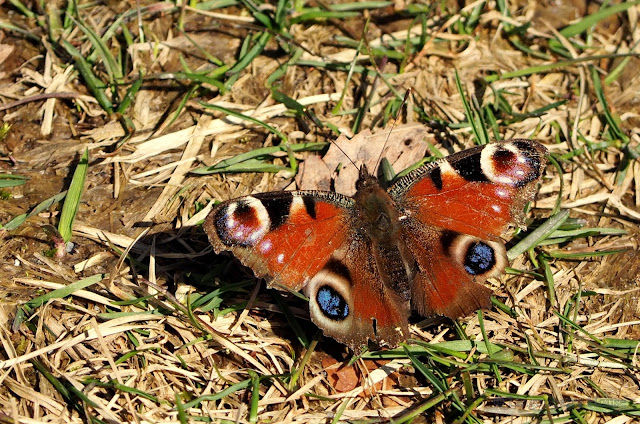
(265, 246)
(447, 169)
(502, 193)
(230, 222)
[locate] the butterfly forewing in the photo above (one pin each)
(478, 191)
(285, 237)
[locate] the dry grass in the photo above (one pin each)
(141, 323)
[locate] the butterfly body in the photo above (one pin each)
(426, 243)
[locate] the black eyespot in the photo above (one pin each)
(332, 304)
(447, 238)
(479, 259)
(503, 156)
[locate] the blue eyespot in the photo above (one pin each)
(479, 259)
(332, 304)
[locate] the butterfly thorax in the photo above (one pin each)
(375, 210)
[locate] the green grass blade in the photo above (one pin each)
(540, 69)
(25, 33)
(577, 327)
(62, 292)
(473, 117)
(613, 123)
(102, 50)
(65, 291)
(130, 95)
(95, 85)
(352, 68)
(312, 15)
(585, 255)
(251, 119)
(417, 410)
(251, 54)
(180, 409)
(426, 371)
(361, 5)
(375, 51)
(72, 201)
(282, 69)
(539, 234)
(255, 166)
(22, 8)
(54, 23)
(258, 15)
(11, 180)
(587, 232)
(255, 397)
(215, 4)
(223, 166)
(74, 398)
(592, 19)
(283, 9)
(220, 395)
(42, 206)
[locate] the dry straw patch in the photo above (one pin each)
(139, 322)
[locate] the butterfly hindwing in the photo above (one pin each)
(349, 301)
(454, 212)
(452, 267)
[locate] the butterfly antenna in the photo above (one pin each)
(395, 123)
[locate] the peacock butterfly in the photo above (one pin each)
(426, 243)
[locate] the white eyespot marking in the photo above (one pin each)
(331, 301)
(280, 258)
(245, 222)
(230, 221)
(496, 208)
(500, 163)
